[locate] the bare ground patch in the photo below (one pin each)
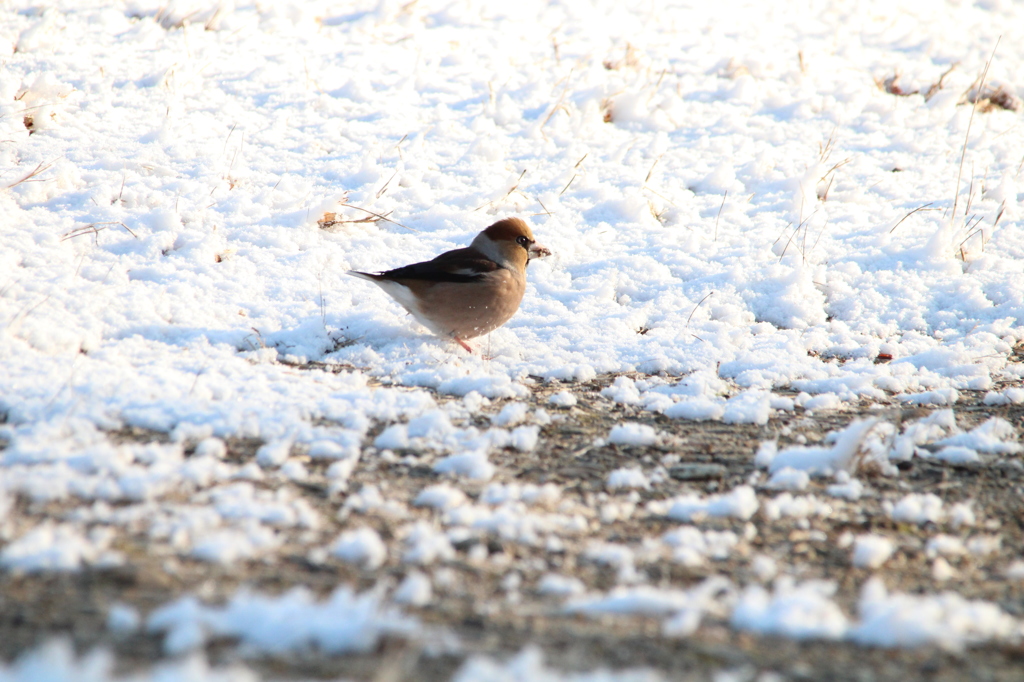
(475, 601)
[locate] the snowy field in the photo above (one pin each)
(758, 212)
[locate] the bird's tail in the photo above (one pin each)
(364, 275)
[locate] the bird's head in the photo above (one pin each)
(510, 243)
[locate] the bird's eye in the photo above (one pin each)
(523, 242)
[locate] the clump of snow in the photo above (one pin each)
(919, 508)
(789, 478)
(245, 540)
(748, 407)
(956, 454)
(993, 436)
(415, 590)
(796, 506)
(623, 390)
(564, 399)
(362, 546)
(800, 611)
(683, 609)
(59, 547)
(943, 396)
(512, 414)
(55, 661)
(860, 444)
(441, 496)
(524, 438)
(274, 453)
(846, 487)
(766, 452)
(696, 409)
(345, 622)
(871, 551)
(1010, 396)
(1015, 571)
(983, 545)
(474, 465)
(944, 545)
(691, 546)
(740, 503)
(632, 433)
(426, 545)
(628, 477)
(123, 618)
(528, 666)
(560, 585)
(530, 493)
(947, 620)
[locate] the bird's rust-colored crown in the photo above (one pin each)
(509, 229)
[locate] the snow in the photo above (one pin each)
(633, 434)
(528, 666)
(441, 496)
(846, 487)
(871, 551)
(947, 620)
(993, 436)
(512, 414)
(788, 478)
(563, 399)
(859, 442)
(807, 611)
(691, 546)
(473, 465)
(788, 505)
(123, 619)
(804, 611)
(683, 610)
(628, 477)
(291, 622)
(415, 590)
(426, 545)
(55, 661)
(59, 547)
(210, 230)
(919, 508)
(727, 221)
(361, 546)
(740, 503)
(560, 585)
(1011, 396)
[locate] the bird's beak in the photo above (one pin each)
(538, 251)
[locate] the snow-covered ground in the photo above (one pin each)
(740, 197)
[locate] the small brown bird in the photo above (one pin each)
(467, 292)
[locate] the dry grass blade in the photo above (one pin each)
(724, 197)
(919, 208)
(94, 229)
(793, 236)
(567, 185)
(967, 135)
(507, 194)
(651, 172)
(935, 87)
(31, 177)
(329, 219)
(387, 184)
(558, 104)
(699, 303)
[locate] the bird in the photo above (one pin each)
(467, 292)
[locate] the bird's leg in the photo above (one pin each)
(463, 344)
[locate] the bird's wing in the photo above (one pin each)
(460, 265)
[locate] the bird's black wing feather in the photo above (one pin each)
(460, 265)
